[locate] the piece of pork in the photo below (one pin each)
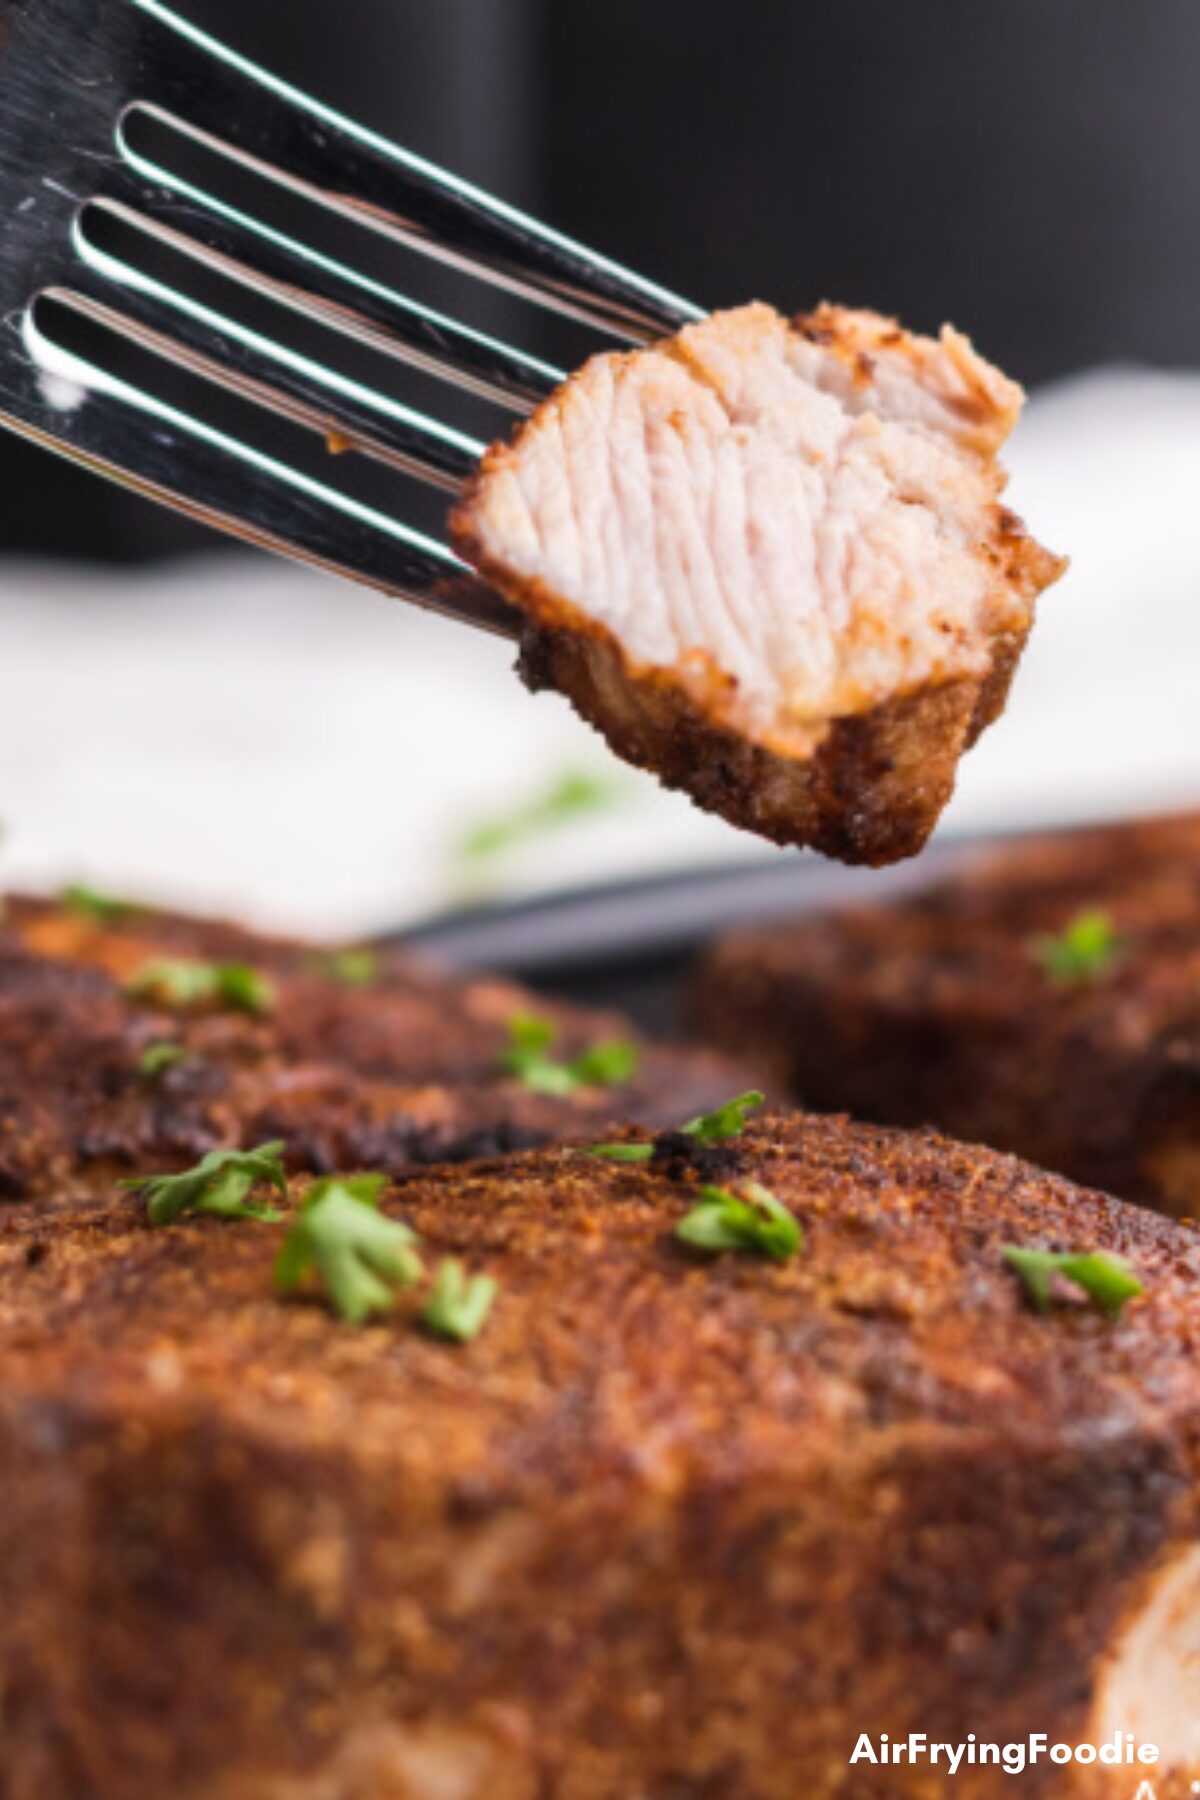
(403, 1070)
(668, 1526)
(942, 1008)
(768, 560)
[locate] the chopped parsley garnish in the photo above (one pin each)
(219, 1185)
(528, 1059)
(573, 796)
(360, 1255)
(728, 1121)
(1108, 1281)
(605, 1065)
(352, 967)
(156, 1059)
(719, 1127)
(622, 1153)
(1086, 948)
(90, 903)
(459, 1304)
(185, 982)
(752, 1220)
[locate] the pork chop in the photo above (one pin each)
(769, 561)
(1045, 1000)
(671, 1524)
(405, 1066)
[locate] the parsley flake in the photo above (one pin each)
(219, 1185)
(719, 1127)
(156, 1059)
(1087, 948)
(528, 1059)
(459, 1304)
(185, 982)
(728, 1121)
(359, 1254)
(571, 797)
(622, 1153)
(90, 903)
(752, 1220)
(1108, 1281)
(351, 967)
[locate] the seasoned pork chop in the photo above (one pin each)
(406, 1068)
(769, 561)
(670, 1525)
(1045, 1000)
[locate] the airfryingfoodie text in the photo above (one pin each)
(1121, 1750)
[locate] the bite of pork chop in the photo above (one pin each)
(768, 560)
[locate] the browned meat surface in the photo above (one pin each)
(405, 1070)
(769, 561)
(667, 1527)
(942, 1008)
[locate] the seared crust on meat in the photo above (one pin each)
(938, 1008)
(404, 1071)
(667, 1526)
(872, 792)
(857, 761)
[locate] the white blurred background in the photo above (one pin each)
(235, 734)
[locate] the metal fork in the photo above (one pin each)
(76, 78)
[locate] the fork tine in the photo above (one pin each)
(127, 434)
(227, 351)
(357, 172)
(283, 382)
(291, 272)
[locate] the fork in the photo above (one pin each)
(83, 81)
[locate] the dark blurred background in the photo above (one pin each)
(1031, 171)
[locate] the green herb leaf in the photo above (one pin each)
(173, 981)
(622, 1153)
(352, 967)
(572, 797)
(1108, 1281)
(728, 1121)
(528, 1058)
(185, 982)
(606, 1065)
(529, 1036)
(90, 903)
(719, 1127)
(1087, 948)
(752, 1220)
(218, 1185)
(459, 1304)
(244, 989)
(361, 1256)
(156, 1059)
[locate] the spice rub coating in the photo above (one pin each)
(941, 1007)
(768, 559)
(406, 1069)
(603, 1549)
